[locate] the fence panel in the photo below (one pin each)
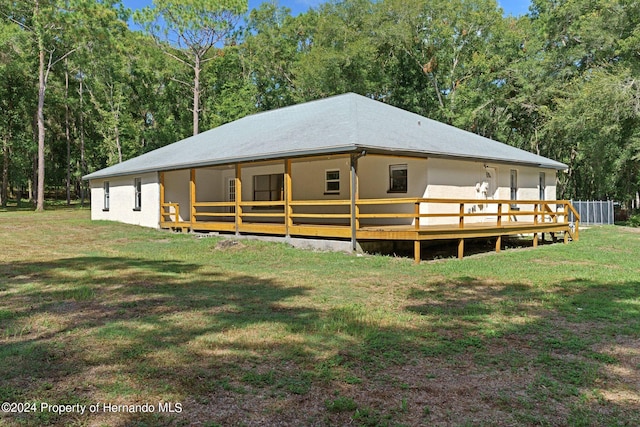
(593, 212)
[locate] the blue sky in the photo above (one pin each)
(510, 7)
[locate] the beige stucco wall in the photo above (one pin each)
(176, 190)
(427, 178)
(458, 179)
(122, 199)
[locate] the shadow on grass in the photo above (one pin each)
(82, 329)
(149, 327)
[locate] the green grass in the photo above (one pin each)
(260, 333)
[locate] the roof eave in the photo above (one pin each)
(229, 161)
(426, 154)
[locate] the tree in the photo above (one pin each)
(590, 61)
(272, 44)
(58, 28)
(186, 30)
(15, 89)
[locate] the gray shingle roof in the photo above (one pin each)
(340, 124)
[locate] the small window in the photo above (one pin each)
(398, 179)
(543, 185)
(137, 184)
(105, 187)
(514, 186)
(332, 182)
(268, 187)
(231, 193)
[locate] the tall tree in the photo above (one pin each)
(15, 91)
(589, 58)
(187, 30)
(58, 28)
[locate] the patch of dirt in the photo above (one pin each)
(229, 244)
(624, 375)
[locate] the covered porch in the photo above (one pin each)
(345, 215)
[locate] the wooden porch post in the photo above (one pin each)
(416, 243)
(161, 179)
(287, 196)
(355, 195)
(192, 197)
(460, 248)
(238, 179)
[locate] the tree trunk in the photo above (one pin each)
(83, 163)
(4, 193)
(196, 95)
(41, 92)
(117, 136)
(67, 133)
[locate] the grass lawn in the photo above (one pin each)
(221, 333)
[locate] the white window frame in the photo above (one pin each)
(513, 186)
(231, 193)
(328, 181)
(392, 180)
(542, 185)
(137, 197)
(106, 196)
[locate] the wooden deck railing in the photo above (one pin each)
(410, 211)
(381, 219)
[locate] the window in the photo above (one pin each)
(543, 185)
(268, 187)
(231, 193)
(105, 187)
(398, 179)
(231, 190)
(332, 182)
(514, 185)
(137, 184)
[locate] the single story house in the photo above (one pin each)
(345, 167)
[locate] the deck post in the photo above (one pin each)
(354, 190)
(192, 198)
(461, 225)
(499, 244)
(499, 222)
(460, 248)
(161, 180)
(238, 218)
(287, 197)
(417, 256)
(535, 240)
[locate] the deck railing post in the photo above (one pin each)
(461, 223)
(499, 221)
(416, 211)
(192, 197)
(238, 178)
(354, 196)
(161, 182)
(287, 196)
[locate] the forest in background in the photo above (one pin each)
(79, 90)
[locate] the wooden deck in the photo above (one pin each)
(414, 219)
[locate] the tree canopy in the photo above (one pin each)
(562, 81)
